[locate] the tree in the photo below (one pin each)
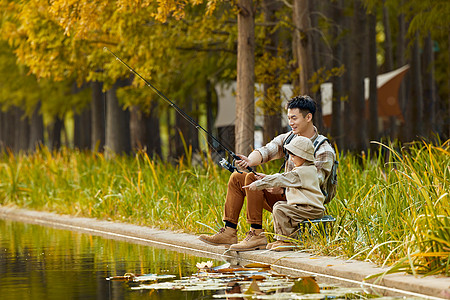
(302, 43)
(245, 109)
(373, 94)
(117, 133)
(98, 116)
(270, 69)
(358, 135)
(337, 125)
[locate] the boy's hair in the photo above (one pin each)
(304, 103)
(290, 153)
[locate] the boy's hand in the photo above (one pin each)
(250, 187)
(260, 175)
(276, 190)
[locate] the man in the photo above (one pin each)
(300, 113)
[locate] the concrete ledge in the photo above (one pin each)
(325, 269)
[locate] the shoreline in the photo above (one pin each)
(326, 269)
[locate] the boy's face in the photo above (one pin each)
(298, 161)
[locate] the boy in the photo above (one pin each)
(303, 194)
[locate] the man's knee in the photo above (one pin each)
(249, 178)
(236, 179)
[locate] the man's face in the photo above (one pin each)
(297, 122)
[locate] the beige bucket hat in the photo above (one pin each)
(302, 147)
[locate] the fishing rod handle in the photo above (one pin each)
(236, 157)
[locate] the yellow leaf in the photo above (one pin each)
(306, 285)
(253, 288)
(257, 265)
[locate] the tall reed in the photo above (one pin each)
(395, 208)
(392, 208)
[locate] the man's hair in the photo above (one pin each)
(304, 103)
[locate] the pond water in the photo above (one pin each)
(38, 262)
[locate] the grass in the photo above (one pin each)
(392, 208)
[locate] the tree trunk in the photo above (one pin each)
(318, 58)
(389, 62)
(302, 45)
(137, 129)
(193, 131)
(185, 130)
(22, 130)
(358, 133)
(401, 50)
(2, 130)
(315, 38)
(272, 111)
(447, 116)
(348, 62)
(245, 102)
(153, 133)
(82, 129)
(417, 91)
(373, 94)
(227, 135)
(388, 53)
(430, 122)
(209, 110)
(337, 121)
(54, 131)
(144, 130)
(98, 117)
(8, 129)
(117, 135)
(36, 129)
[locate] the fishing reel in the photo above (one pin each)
(227, 165)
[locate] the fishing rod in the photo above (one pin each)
(223, 162)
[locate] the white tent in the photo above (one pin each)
(387, 85)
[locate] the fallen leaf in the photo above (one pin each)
(257, 265)
(253, 289)
(306, 285)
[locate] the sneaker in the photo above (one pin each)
(225, 237)
(255, 239)
(283, 246)
(269, 245)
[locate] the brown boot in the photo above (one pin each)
(255, 239)
(225, 237)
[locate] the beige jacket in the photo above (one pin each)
(324, 157)
(302, 185)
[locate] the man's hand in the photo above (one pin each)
(243, 163)
(253, 159)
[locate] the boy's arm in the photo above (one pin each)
(288, 179)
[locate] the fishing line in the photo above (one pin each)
(224, 163)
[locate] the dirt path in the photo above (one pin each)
(326, 269)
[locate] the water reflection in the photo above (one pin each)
(39, 262)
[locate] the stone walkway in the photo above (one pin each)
(326, 269)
